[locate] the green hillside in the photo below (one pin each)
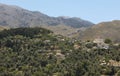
(38, 52)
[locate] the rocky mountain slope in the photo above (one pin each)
(14, 16)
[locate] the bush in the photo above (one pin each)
(108, 41)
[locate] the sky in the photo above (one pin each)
(95, 11)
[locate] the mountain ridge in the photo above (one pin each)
(15, 16)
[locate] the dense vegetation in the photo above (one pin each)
(38, 52)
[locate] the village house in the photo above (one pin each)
(100, 43)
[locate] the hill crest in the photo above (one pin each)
(14, 16)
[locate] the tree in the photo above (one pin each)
(107, 41)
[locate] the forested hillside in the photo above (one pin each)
(38, 52)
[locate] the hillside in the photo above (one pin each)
(103, 30)
(63, 30)
(2, 28)
(38, 52)
(14, 16)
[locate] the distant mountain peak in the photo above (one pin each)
(65, 17)
(11, 6)
(14, 16)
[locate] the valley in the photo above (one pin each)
(35, 44)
